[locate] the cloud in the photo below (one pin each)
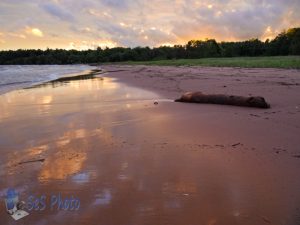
(17, 35)
(84, 45)
(234, 20)
(2, 41)
(119, 4)
(57, 11)
(143, 23)
(37, 32)
(34, 31)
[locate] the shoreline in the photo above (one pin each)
(227, 78)
(16, 83)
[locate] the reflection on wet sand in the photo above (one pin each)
(19, 104)
(132, 162)
(61, 166)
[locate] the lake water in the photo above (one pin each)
(19, 76)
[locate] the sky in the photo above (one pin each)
(88, 24)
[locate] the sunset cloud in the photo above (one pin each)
(141, 23)
(34, 31)
(57, 11)
(16, 35)
(2, 41)
(84, 45)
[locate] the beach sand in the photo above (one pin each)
(131, 161)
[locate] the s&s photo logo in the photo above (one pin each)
(14, 206)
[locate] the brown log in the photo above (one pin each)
(199, 97)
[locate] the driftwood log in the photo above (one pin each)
(199, 97)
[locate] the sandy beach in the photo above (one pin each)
(132, 162)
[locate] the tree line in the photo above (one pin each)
(286, 43)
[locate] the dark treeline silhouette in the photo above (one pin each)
(286, 43)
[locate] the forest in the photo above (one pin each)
(286, 43)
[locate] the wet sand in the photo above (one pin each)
(130, 161)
